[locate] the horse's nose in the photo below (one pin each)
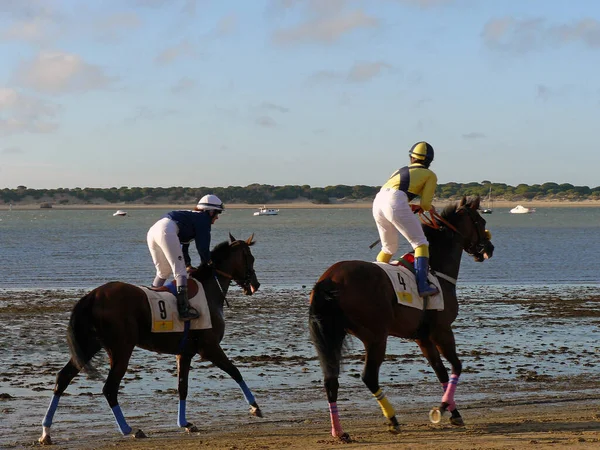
(254, 287)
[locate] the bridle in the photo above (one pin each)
(436, 221)
(248, 277)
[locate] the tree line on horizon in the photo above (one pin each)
(264, 193)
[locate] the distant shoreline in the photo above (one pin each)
(498, 204)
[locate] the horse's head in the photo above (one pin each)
(471, 226)
(234, 260)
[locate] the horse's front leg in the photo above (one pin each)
(183, 370)
(217, 356)
(375, 353)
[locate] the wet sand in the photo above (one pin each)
(524, 383)
(303, 204)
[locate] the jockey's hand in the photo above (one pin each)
(416, 208)
(188, 269)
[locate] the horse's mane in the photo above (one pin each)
(218, 253)
(449, 213)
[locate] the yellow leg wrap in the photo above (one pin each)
(386, 407)
(384, 257)
(422, 250)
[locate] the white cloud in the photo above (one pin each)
(25, 9)
(12, 151)
(424, 4)
(273, 107)
(113, 26)
(57, 72)
(525, 35)
(37, 29)
(185, 84)
(360, 72)
(325, 29)
(473, 135)
(266, 121)
(21, 113)
(170, 54)
(227, 25)
(365, 71)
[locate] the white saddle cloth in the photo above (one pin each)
(165, 318)
(405, 285)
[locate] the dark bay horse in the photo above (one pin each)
(358, 298)
(116, 316)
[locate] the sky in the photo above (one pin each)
(163, 93)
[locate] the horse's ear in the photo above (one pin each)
(249, 241)
(231, 238)
(463, 202)
(476, 202)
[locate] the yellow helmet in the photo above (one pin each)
(422, 151)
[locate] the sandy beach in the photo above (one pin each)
(303, 204)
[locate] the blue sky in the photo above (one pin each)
(195, 93)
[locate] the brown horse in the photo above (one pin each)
(116, 316)
(358, 298)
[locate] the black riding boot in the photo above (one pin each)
(186, 312)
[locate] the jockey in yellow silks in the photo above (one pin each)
(393, 214)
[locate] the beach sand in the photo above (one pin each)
(303, 204)
(572, 424)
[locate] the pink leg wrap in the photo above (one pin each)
(336, 427)
(449, 393)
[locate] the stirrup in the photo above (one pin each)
(189, 314)
(431, 290)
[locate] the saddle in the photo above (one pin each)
(171, 287)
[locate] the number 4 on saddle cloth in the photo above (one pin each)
(405, 284)
(163, 304)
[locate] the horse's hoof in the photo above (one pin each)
(255, 411)
(139, 434)
(457, 421)
(45, 440)
(435, 415)
(191, 428)
(394, 426)
(345, 438)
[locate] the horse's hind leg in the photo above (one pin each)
(370, 376)
(63, 379)
(119, 359)
(432, 353)
(183, 369)
(217, 356)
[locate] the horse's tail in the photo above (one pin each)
(326, 322)
(81, 335)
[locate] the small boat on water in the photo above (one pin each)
(264, 211)
(120, 212)
(520, 209)
(488, 209)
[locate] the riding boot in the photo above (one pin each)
(186, 312)
(422, 270)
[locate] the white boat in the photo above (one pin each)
(488, 209)
(120, 212)
(520, 209)
(264, 211)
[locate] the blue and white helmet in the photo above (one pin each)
(210, 202)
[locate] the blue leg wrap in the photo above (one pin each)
(181, 420)
(247, 393)
(51, 410)
(125, 429)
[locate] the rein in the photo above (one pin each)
(433, 220)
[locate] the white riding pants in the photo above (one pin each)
(165, 249)
(392, 214)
